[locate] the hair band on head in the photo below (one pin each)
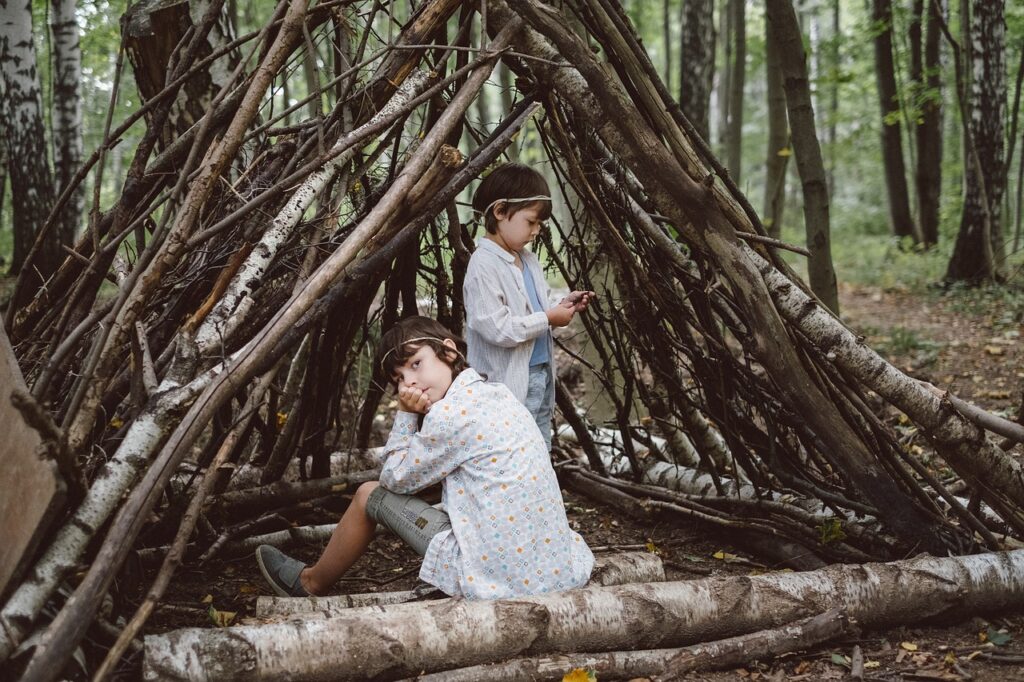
(516, 200)
(404, 343)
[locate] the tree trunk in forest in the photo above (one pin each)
(734, 135)
(666, 38)
(836, 65)
(697, 63)
(153, 29)
(722, 87)
(781, 18)
(21, 119)
(901, 221)
(978, 253)
(67, 112)
(361, 643)
(925, 71)
(777, 157)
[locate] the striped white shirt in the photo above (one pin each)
(501, 325)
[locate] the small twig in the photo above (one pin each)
(856, 663)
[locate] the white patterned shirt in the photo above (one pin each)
(510, 536)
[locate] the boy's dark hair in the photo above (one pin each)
(412, 333)
(511, 181)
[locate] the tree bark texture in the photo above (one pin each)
(926, 72)
(734, 136)
(782, 21)
(661, 664)
(900, 219)
(389, 642)
(697, 63)
(67, 112)
(779, 151)
(21, 118)
(978, 252)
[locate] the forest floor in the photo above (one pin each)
(975, 350)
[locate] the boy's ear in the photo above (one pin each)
(450, 343)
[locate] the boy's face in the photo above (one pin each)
(425, 371)
(519, 229)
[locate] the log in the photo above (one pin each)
(614, 569)
(389, 642)
(667, 664)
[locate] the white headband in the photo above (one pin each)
(414, 340)
(514, 200)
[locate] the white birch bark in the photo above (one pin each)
(248, 277)
(144, 436)
(609, 569)
(964, 446)
(401, 640)
(661, 664)
(67, 111)
(21, 123)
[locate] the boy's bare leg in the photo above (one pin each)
(348, 542)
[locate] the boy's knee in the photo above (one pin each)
(363, 492)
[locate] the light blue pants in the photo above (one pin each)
(540, 399)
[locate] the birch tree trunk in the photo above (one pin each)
(900, 220)
(978, 253)
(67, 112)
(783, 23)
(393, 641)
(21, 119)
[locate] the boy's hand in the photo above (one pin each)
(411, 399)
(578, 301)
(560, 315)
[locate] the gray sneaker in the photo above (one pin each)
(281, 571)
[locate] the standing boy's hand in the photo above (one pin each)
(412, 399)
(578, 300)
(560, 315)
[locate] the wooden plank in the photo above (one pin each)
(31, 490)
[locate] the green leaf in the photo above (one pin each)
(998, 637)
(839, 659)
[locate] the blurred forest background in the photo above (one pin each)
(888, 93)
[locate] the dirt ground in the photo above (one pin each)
(977, 354)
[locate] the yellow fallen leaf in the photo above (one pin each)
(248, 589)
(282, 418)
(221, 619)
(579, 675)
(724, 556)
(785, 151)
(872, 664)
(995, 350)
(652, 548)
(208, 599)
(908, 646)
(116, 422)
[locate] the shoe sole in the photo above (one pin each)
(266, 576)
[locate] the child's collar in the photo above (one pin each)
(489, 245)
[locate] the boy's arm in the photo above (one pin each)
(488, 314)
(416, 459)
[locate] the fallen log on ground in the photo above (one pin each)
(667, 664)
(611, 569)
(389, 642)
